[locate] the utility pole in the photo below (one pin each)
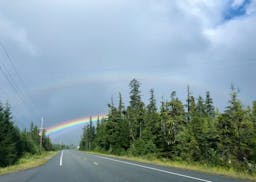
(41, 134)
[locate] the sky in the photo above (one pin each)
(65, 59)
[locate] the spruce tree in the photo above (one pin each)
(9, 138)
(200, 107)
(188, 103)
(152, 118)
(135, 111)
(209, 105)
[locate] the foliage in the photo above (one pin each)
(28, 161)
(14, 143)
(197, 134)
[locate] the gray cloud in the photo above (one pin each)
(17, 35)
(74, 55)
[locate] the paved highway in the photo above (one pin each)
(76, 166)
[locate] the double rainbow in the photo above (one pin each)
(72, 123)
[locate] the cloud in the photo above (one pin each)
(234, 40)
(237, 3)
(10, 32)
(90, 50)
(251, 8)
(208, 13)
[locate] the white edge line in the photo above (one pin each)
(155, 169)
(61, 156)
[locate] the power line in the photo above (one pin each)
(16, 71)
(14, 88)
(10, 60)
(9, 78)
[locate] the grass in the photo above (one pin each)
(184, 165)
(28, 161)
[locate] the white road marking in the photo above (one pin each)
(95, 163)
(61, 156)
(155, 169)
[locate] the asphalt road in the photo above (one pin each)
(76, 166)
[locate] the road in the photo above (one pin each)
(76, 166)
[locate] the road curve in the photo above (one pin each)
(76, 166)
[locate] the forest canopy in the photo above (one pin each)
(15, 143)
(194, 131)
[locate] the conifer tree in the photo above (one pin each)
(9, 138)
(188, 103)
(152, 118)
(200, 107)
(135, 111)
(209, 105)
(199, 134)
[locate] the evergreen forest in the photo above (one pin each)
(15, 143)
(193, 132)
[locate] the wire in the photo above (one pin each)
(10, 60)
(14, 88)
(16, 72)
(8, 76)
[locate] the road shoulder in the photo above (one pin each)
(197, 168)
(28, 162)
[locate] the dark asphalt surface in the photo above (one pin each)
(81, 167)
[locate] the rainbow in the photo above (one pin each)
(81, 79)
(72, 123)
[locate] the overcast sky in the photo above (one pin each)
(68, 57)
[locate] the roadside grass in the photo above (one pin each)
(28, 161)
(185, 165)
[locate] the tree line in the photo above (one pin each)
(15, 143)
(194, 131)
